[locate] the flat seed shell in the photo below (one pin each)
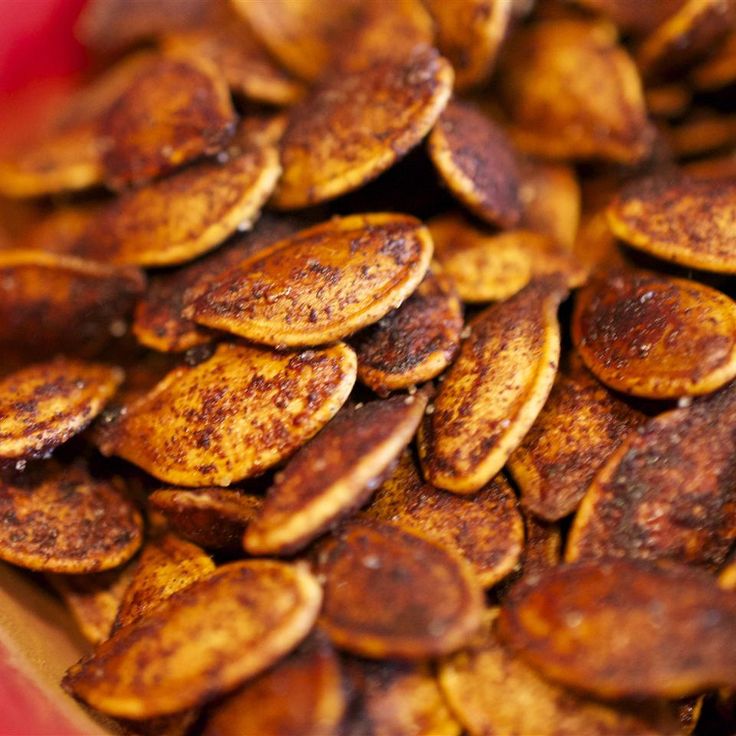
(302, 694)
(322, 284)
(334, 474)
(172, 112)
(488, 266)
(45, 404)
(667, 491)
(355, 126)
(655, 336)
(572, 92)
(185, 215)
(470, 33)
(485, 528)
(690, 222)
(494, 391)
(478, 164)
(543, 548)
(414, 343)
(234, 415)
(492, 691)
(201, 642)
(579, 427)
(390, 593)
(167, 564)
(60, 519)
(667, 632)
(214, 518)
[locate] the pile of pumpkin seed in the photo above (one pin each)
(368, 366)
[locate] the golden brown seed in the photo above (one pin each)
(702, 133)
(686, 221)
(414, 343)
(667, 491)
(488, 266)
(493, 691)
(51, 303)
(234, 415)
(56, 518)
(572, 92)
(172, 112)
(59, 231)
(727, 575)
(470, 33)
(167, 564)
(579, 427)
(624, 628)
(214, 518)
(632, 15)
(543, 547)
(355, 126)
(390, 593)
(334, 474)
(158, 321)
(397, 698)
(478, 164)
(201, 642)
(43, 405)
(714, 167)
(485, 528)
(596, 248)
(668, 100)
(493, 392)
(321, 284)
(655, 336)
(719, 68)
(185, 215)
(302, 694)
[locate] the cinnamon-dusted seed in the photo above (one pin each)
(494, 391)
(478, 164)
(334, 474)
(355, 126)
(485, 528)
(201, 642)
(390, 593)
(45, 404)
(59, 518)
(624, 628)
(321, 284)
(60, 230)
(234, 415)
(655, 336)
(543, 545)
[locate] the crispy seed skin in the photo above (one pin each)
(580, 425)
(234, 415)
(488, 266)
(493, 392)
(666, 632)
(172, 112)
(59, 518)
(493, 691)
(321, 284)
(59, 231)
(214, 518)
(687, 221)
(43, 405)
(414, 343)
(335, 474)
(485, 528)
(390, 593)
(355, 126)
(667, 491)
(44, 294)
(185, 215)
(166, 565)
(470, 33)
(477, 162)
(655, 336)
(573, 93)
(543, 545)
(302, 694)
(201, 642)
(158, 322)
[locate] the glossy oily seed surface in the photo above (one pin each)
(232, 416)
(650, 335)
(321, 284)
